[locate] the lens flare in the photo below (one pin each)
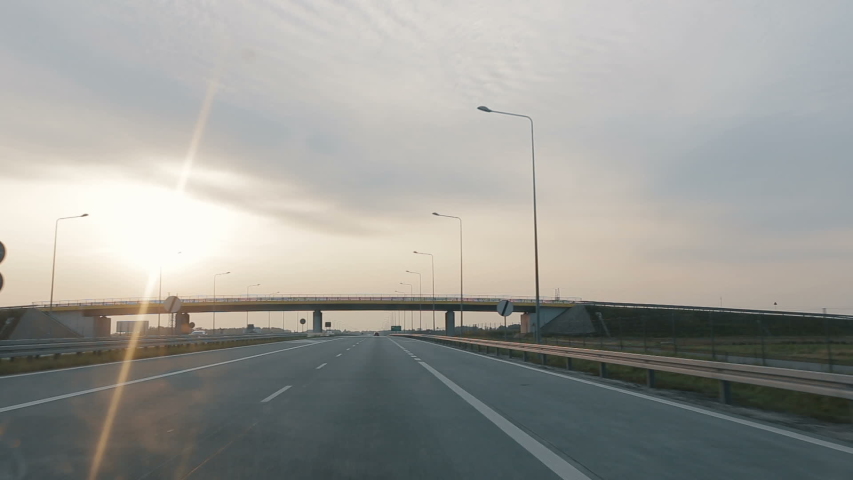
(198, 135)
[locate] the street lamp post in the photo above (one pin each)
(432, 260)
(214, 298)
(403, 312)
(53, 269)
(461, 289)
(247, 299)
(420, 299)
(535, 223)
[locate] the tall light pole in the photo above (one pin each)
(247, 298)
(461, 289)
(432, 260)
(420, 299)
(535, 223)
(404, 312)
(160, 295)
(214, 298)
(53, 269)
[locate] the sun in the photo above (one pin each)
(145, 227)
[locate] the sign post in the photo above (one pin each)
(2, 256)
(172, 305)
(505, 309)
(302, 322)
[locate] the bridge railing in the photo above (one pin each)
(302, 298)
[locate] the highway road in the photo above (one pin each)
(378, 408)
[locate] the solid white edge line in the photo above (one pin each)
(554, 462)
(277, 393)
(145, 379)
(321, 366)
(161, 357)
(722, 416)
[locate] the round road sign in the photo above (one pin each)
(172, 304)
(2, 251)
(505, 308)
(302, 321)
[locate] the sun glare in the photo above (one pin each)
(148, 226)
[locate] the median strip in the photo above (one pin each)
(110, 355)
(141, 380)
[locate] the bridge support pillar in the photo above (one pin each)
(450, 323)
(318, 321)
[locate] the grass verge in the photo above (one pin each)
(832, 409)
(50, 362)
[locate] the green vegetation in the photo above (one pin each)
(24, 365)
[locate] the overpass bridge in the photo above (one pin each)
(90, 317)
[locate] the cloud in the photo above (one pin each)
(366, 110)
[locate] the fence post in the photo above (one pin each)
(621, 346)
(726, 392)
(828, 340)
(568, 363)
(713, 344)
(674, 341)
(643, 318)
(602, 370)
(650, 378)
(761, 339)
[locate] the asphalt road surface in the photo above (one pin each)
(377, 408)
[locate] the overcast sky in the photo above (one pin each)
(686, 150)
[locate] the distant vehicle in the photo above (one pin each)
(375, 334)
(198, 332)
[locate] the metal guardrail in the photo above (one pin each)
(829, 384)
(35, 348)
